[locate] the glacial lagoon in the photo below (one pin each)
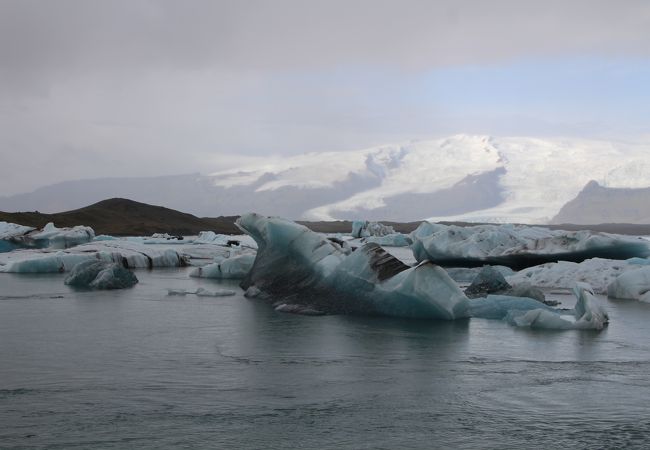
(138, 368)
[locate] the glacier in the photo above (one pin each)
(100, 275)
(518, 246)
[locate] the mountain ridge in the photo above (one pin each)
(459, 178)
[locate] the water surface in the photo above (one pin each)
(140, 369)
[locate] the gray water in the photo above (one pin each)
(140, 369)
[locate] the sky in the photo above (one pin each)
(93, 88)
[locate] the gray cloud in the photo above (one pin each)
(140, 87)
(295, 34)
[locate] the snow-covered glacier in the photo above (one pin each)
(518, 246)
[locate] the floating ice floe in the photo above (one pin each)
(235, 267)
(100, 275)
(588, 314)
(490, 280)
(297, 266)
(633, 285)
(518, 246)
(202, 292)
(128, 254)
(526, 312)
(597, 272)
(364, 228)
(390, 240)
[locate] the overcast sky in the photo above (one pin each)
(142, 87)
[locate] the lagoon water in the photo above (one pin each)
(140, 369)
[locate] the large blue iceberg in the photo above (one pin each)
(298, 269)
(297, 266)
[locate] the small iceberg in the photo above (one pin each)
(633, 285)
(364, 229)
(235, 267)
(100, 275)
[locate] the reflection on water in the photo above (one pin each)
(137, 368)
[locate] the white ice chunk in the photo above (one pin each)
(128, 254)
(598, 272)
(364, 228)
(390, 240)
(236, 267)
(62, 238)
(589, 314)
(633, 285)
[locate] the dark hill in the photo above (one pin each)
(121, 217)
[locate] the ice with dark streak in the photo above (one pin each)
(297, 266)
(100, 275)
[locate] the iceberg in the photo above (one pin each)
(302, 272)
(100, 275)
(202, 292)
(390, 240)
(14, 236)
(235, 267)
(59, 238)
(597, 272)
(632, 285)
(297, 266)
(489, 280)
(11, 234)
(589, 314)
(210, 237)
(527, 312)
(364, 228)
(128, 254)
(518, 246)
(500, 306)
